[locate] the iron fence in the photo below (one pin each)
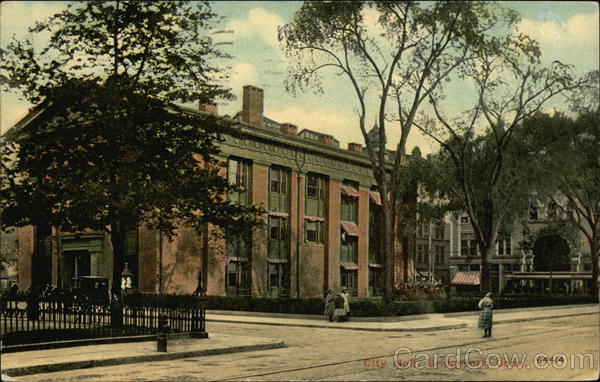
(29, 318)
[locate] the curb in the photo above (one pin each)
(426, 329)
(507, 321)
(64, 366)
(91, 341)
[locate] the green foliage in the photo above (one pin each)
(110, 147)
(358, 308)
(107, 147)
(572, 185)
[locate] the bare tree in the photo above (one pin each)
(392, 64)
(481, 167)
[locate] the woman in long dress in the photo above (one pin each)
(330, 304)
(340, 311)
(485, 317)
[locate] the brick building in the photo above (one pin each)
(319, 234)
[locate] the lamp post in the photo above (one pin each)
(126, 280)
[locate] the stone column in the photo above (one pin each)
(260, 197)
(332, 245)
(363, 244)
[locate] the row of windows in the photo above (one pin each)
(238, 276)
(423, 253)
(437, 229)
(469, 247)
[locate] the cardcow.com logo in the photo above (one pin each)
(475, 358)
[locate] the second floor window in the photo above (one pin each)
(238, 173)
(422, 253)
(439, 254)
(279, 189)
(315, 195)
(349, 200)
(504, 244)
(314, 231)
(468, 248)
(348, 248)
(278, 237)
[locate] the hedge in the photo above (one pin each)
(359, 308)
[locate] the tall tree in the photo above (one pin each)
(109, 148)
(481, 166)
(572, 185)
(392, 66)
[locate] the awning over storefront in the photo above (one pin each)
(349, 191)
(375, 197)
(350, 228)
(314, 218)
(278, 214)
(466, 278)
(349, 266)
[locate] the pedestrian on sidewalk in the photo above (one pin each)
(346, 303)
(485, 317)
(330, 304)
(340, 312)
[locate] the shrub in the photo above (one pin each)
(359, 308)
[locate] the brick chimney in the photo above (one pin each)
(288, 128)
(252, 107)
(356, 147)
(210, 108)
(327, 139)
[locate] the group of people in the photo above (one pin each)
(336, 304)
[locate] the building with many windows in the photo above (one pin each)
(320, 229)
(432, 251)
(541, 253)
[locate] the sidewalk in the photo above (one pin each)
(45, 361)
(416, 323)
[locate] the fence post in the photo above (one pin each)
(163, 328)
(198, 323)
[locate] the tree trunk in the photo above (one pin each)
(486, 268)
(594, 247)
(118, 237)
(387, 247)
(59, 258)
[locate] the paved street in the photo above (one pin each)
(558, 345)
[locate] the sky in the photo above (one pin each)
(567, 31)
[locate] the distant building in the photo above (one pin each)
(432, 252)
(556, 254)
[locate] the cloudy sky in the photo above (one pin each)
(567, 31)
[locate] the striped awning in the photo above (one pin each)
(236, 258)
(349, 191)
(314, 218)
(375, 197)
(349, 266)
(350, 228)
(375, 266)
(278, 214)
(277, 261)
(465, 278)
